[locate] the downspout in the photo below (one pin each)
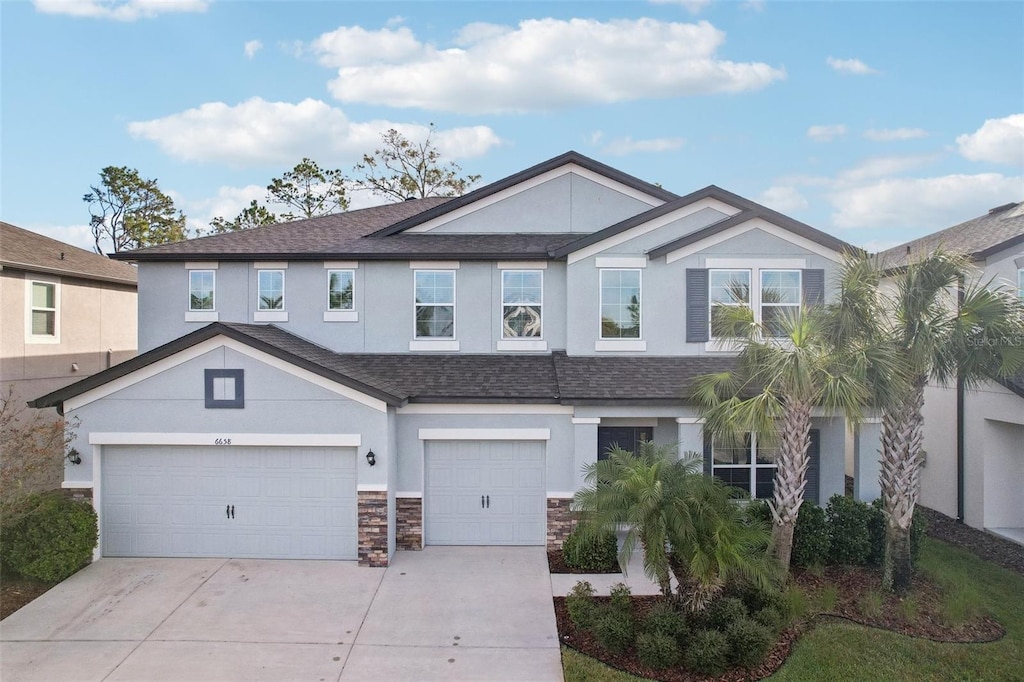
(959, 421)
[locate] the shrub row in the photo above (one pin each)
(588, 551)
(51, 540)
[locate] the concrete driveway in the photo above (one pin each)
(446, 613)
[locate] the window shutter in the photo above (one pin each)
(814, 286)
(811, 493)
(697, 310)
(707, 454)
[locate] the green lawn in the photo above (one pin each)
(844, 651)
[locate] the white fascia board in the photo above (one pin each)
(535, 182)
(586, 420)
(620, 262)
(433, 265)
(753, 224)
(202, 265)
(270, 265)
(485, 434)
(482, 408)
(522, 265)
(650, 226)
(689, 420)
(230, 440)
(204, 347)
(341, 265)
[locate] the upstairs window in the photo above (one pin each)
(341, 290)
(270, 294)
(201, 288)
(43, 310)
(620, 304)
(780, 299)
(435, 304)
(522, 293)
(727, 288)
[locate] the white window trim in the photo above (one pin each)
(620, 262)
(717, 340)
(42, 338)
(341, 314)
(522, 344)
(436, 340)
(522, 265)
(760, 287)
(620, 342)
(754, 266)
(522, 341)
(284, 297)
(213, 290)
(753, 466)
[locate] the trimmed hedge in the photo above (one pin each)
(581, 605)
(588, 552)
(52, 541)
(849, 530)
(810, 536)
(707, 652)
(657, 650)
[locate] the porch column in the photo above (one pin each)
(690, 439)
(867, 440)
(585, 444)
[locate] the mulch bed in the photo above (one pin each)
(556, 564)
(16, 592)
(999, 551)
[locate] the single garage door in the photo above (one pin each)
(255, 502)
(485, 493)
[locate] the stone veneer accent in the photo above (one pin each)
(409, 523)
(78, 494)
(373, 528)
(560, 521)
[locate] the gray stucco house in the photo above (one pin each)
(436, 371)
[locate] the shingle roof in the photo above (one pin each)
(1000, 228)
(638, 378)
(25, 250)
(1015, 383)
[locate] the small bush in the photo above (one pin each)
(810, 536)
(849, 531)
(724, 611)
(772, 618)
(52, 541)
(657, 650)
(666, 619)
(707, 652)
(613, 630)
(754, 597)
(621, 598)
(749, 642)
(580, 605)
(588, 551)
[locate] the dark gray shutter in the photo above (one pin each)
(814, 287)
(707, 454)
(814, 455)
(697, 310)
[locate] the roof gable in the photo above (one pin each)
(23, 249)
(1001, 228)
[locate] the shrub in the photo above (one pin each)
(755, 598)
(757, 510)
(621, 599)
(52, 541)
(749, 642)
(587, 551)
(707, 652)
(613, 630)
(810, 536)
(657, 650)
(724, 611)
(772, 618)
(849, 531)
(580, 605)
(666, 619)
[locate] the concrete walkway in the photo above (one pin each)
(444, 613)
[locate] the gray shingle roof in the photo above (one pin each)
(637, 378)
(22, 249)
(1000, 228)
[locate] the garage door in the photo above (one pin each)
(485, 493)
(287, 503)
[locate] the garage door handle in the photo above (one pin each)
(227, 511)
(230, 511)
(488, 501)
(481, 501)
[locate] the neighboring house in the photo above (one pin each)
(974, 439)
(66, 313)
(437, 371)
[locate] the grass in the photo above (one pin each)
(843, 651)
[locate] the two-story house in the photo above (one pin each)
(65, 313)
(974, 466)
(437, 371)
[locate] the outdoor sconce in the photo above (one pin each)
(73, 456)
(371, 458)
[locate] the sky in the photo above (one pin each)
(875, 121)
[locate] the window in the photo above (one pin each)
(780, 299)
(340, 290)
(727, 288)
(522, 293)
(746, 466)
(225, 388)
(201, 289)
(620, 304)
(623, 437)
(270, 294)
(435, 304)
(43, 309)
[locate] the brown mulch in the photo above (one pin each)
(556, 564)
(999, 551)
(16, 592)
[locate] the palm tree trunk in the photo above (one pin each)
(790, 479)
(900, 481)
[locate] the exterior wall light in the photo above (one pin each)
(73, 456)
(371, 458)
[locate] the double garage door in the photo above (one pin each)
(485, 493)
(255, 502)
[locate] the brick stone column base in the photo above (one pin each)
(373, 528)
(561, 521)
(409, 523)
(78, 494)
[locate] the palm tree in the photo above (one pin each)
(945, 328)
(685, 523)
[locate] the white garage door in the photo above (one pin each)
(177, 501)
(485, 493)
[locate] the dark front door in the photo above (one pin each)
(625, 437)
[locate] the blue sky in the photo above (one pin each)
(875, 121)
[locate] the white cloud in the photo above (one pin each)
(753, 5)
(882, 166)
(127, 10)
(783, 199)
(826, 133)
(258, 132)
(627, 145)
(252, 47)
(541, 64)
(851, 66)
(998, 140)
(75, 235)
(692, 6)
(931, 203)
(893, 134)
